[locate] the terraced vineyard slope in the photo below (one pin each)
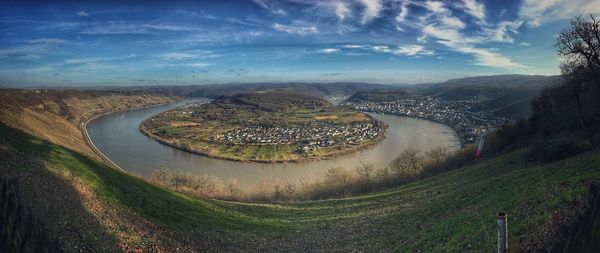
(60, 115)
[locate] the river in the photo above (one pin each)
(118, 137)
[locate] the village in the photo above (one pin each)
(306, 138)
(462, 116)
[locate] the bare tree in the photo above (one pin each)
(277, 193)
(290, 190)
(579, 45)
(579, 48)
(408, 163)
(365, 170)
(233, 187)
(384, 173)
(338, 176)
(437, 155)
(159, 176)
(179, 180)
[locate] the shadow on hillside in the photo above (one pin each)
(166, 214)
(52, 198)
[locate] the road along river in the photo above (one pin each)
(117, 136)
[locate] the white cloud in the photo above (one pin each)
(270, 7)
(176, 56)
(261, 4)
(384, 49)
(31, 56)
(296, 29)
(198, 64)
(96, 59)
(409, 50)
(445, 34)
(454, 40)
(330, 50)
(452, 22)
(353, 46)
(503, 31)
(37, 70)
(82, 14)
(341, 11)
(371, 10)
(436, 6)
(475, 9)
(485, 57)
(47, 41)
(535, 12)
(356, 54)
(403, 13)
(422, 38)
(525, 44)
(447, 30)
(36, 49)
(123, 27)
(94, 66)
(280, 12)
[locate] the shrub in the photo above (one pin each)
(552, 150)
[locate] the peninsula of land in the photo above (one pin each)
(272, 126)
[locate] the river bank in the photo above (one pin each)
(120, 139)
(91, 144)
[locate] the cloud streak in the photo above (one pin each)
(536, 12)
(296, 29)
(82, 14)
(447, 30)
(371, 10)
(408, 50)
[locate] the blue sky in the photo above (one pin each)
(78, 43)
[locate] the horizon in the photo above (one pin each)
(70, 44)
(403, 85)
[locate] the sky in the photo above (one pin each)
(88, 43)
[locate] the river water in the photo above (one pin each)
(118, 137)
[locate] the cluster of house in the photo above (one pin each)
(336, 98)
(307, 138)
(190, 107)
(461, 115)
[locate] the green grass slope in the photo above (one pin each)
(454, 211)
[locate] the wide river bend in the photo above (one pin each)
(117, 136)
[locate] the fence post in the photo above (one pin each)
(502, 232)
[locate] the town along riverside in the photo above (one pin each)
(272, 126)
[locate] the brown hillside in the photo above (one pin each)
(59, 115)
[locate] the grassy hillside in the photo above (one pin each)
(106, 209)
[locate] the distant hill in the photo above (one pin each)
(489, 87)
(379, 95)
(507, 95)
(273, 100)
(217, 90)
